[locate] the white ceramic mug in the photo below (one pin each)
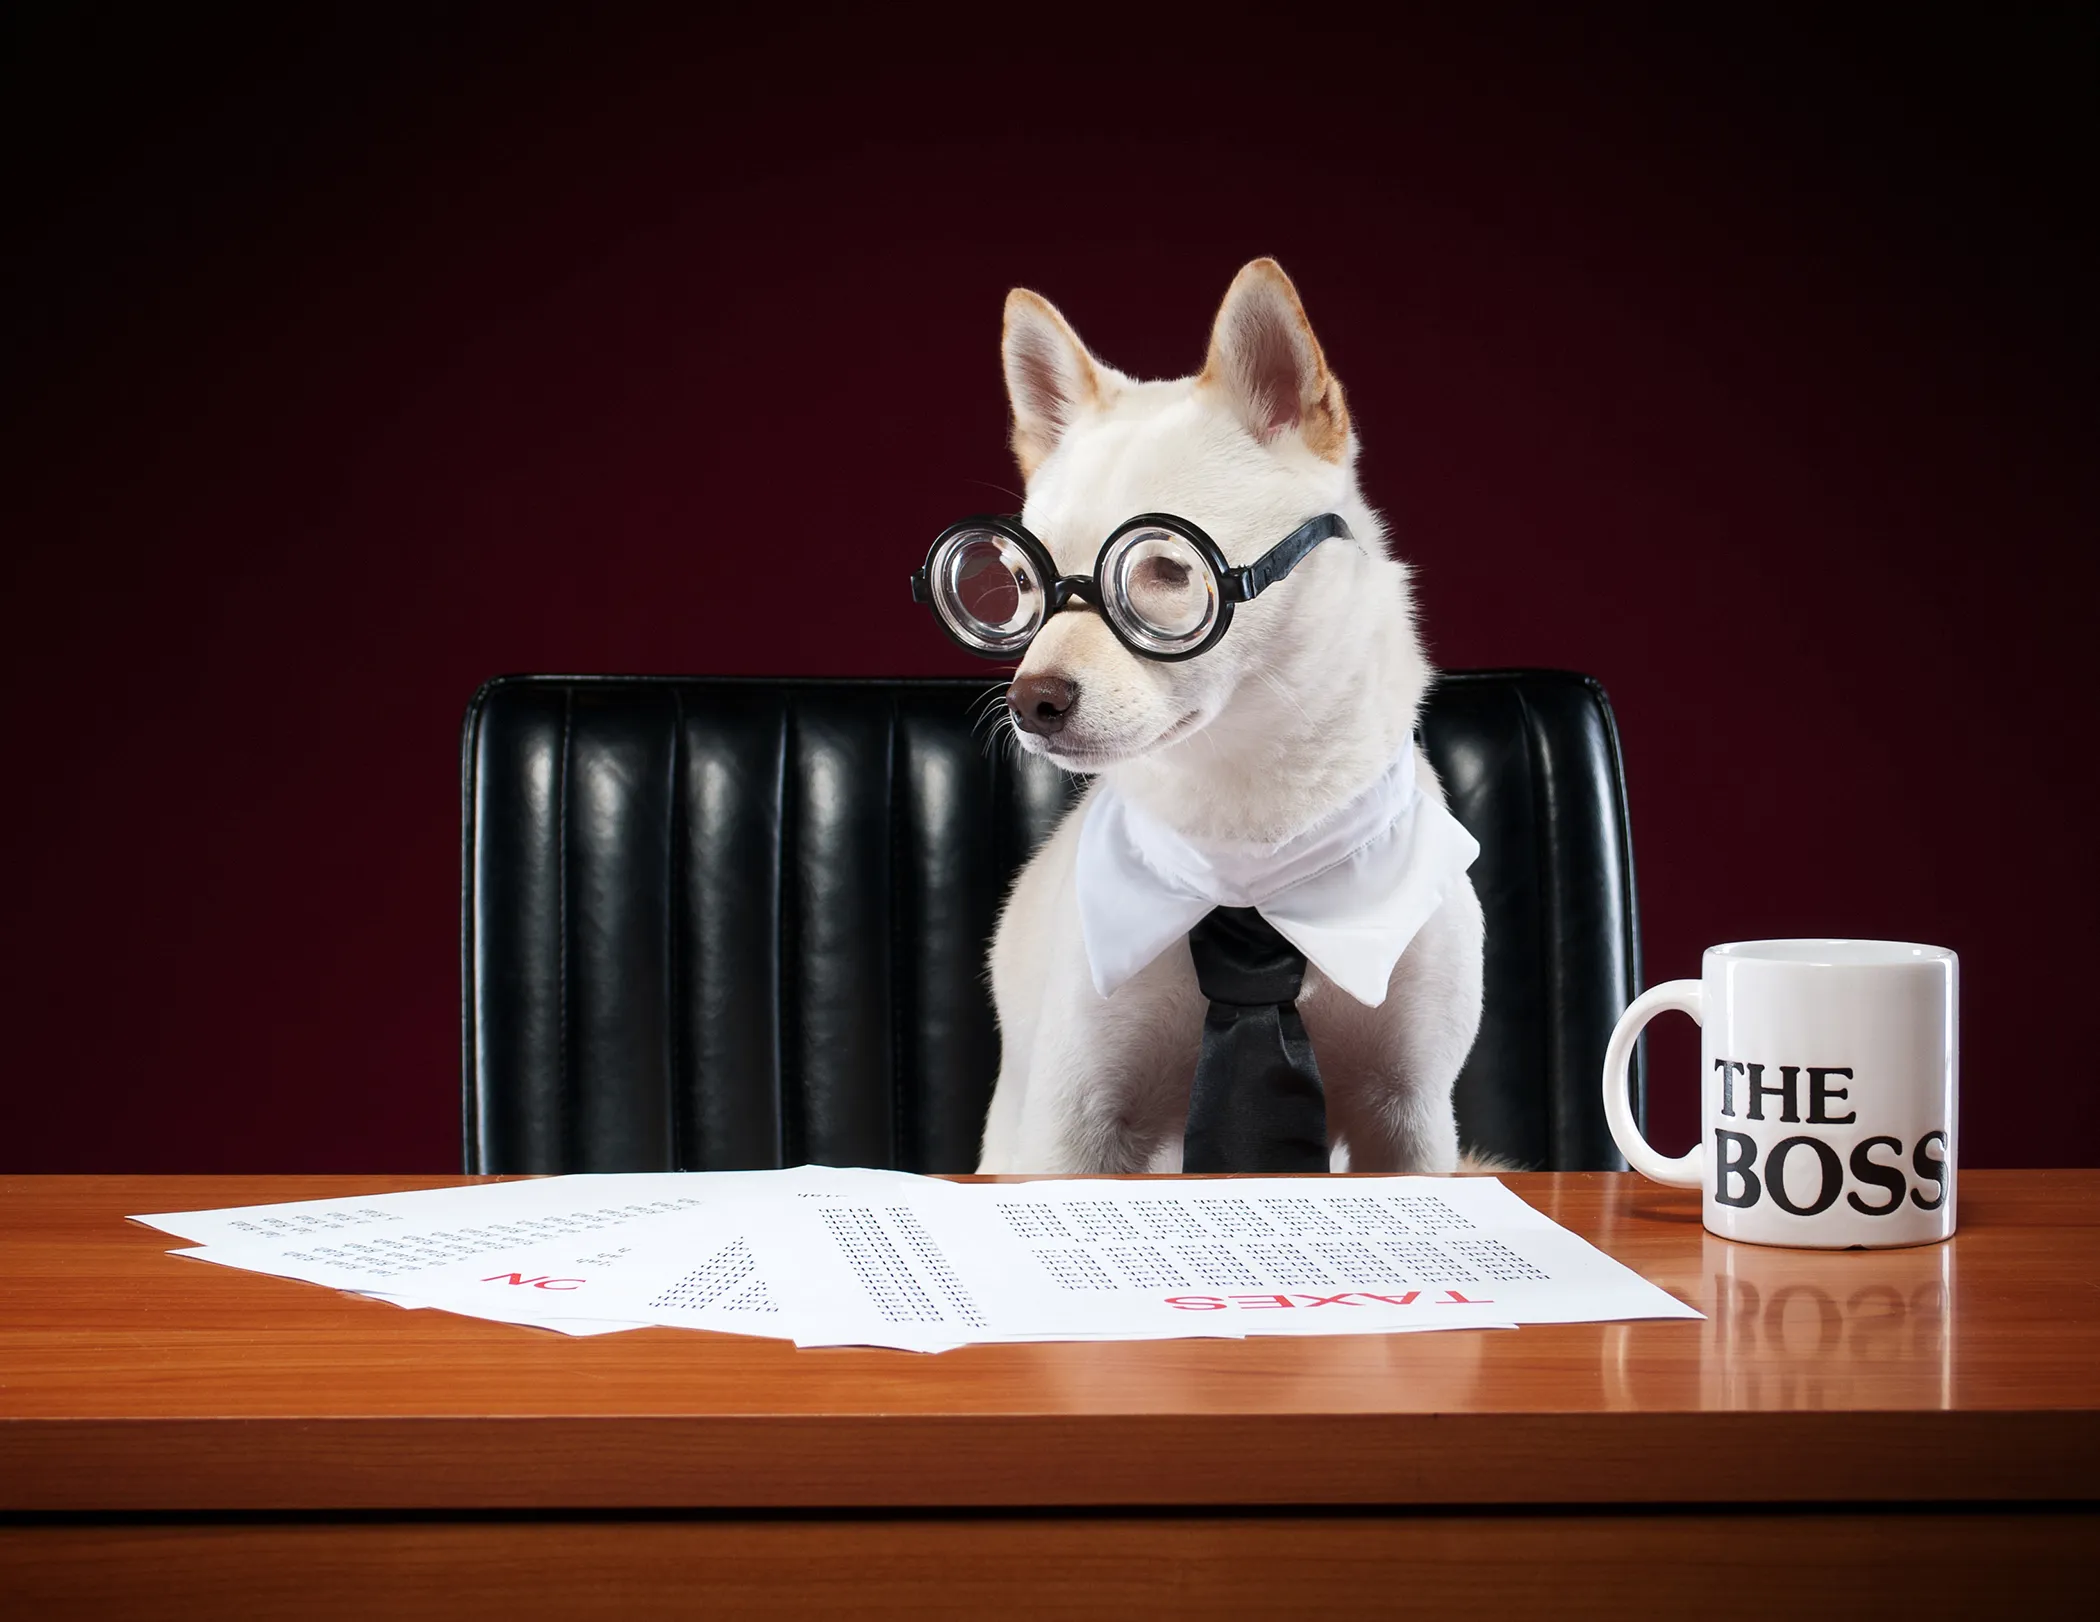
(1828, 1082)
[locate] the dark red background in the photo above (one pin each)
(1747, 366)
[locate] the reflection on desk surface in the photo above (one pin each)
(1819, 1328)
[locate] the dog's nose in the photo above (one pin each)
(1040, 703)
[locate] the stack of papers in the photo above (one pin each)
(828, 1257)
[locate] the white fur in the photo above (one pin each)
(1297, 710)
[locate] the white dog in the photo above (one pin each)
(1278, 729)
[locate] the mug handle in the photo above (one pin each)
(1687, 1170)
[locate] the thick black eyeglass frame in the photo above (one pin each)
(1241, 585)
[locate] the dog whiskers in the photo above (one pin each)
(992, 722)
(984, 710)
(1000, 735)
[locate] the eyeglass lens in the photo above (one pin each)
(1159, 590)
(987, 588)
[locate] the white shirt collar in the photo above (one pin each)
(1349, 892)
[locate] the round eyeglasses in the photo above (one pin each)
(1162, 585)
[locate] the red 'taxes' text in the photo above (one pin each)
(1349, 1298)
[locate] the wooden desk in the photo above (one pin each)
(1865, 1431)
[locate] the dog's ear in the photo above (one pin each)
(1050, 377)
(1267, 364)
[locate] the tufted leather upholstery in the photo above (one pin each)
(717, 923)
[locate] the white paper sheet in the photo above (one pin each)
(883, 1284)
(497, 1313)
(935, 1262)
(1249, 1256)
(1298, 1256)
(380, 1245)
(832, 1257)
(698, 1266)
(370, 1240)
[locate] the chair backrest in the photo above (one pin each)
(717, 923)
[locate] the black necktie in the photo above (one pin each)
(1257, 1104)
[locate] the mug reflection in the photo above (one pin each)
(1826, 1329)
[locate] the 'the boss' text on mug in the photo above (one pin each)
(1873, 1177)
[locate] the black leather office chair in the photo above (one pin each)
(721, 923)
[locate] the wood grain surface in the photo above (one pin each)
(1750, 1565)
(132, 1380)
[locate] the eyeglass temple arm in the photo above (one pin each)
(1244, 584)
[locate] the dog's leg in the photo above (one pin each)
(1402, 1121)
(1038, 927)
(1019, 1010)
(1002, 1123)
(1090, 1122)
(1108, 1079)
